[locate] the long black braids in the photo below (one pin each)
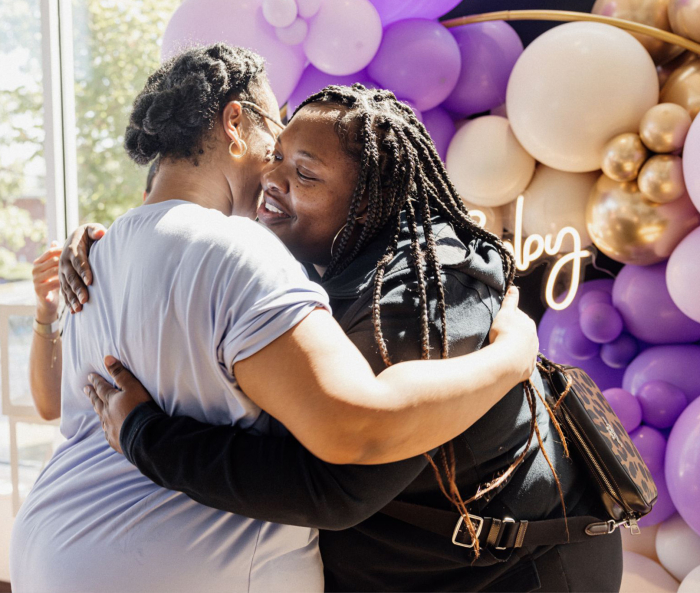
(403, 178)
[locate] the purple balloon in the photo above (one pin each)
(397, 10)
(441, 129)
(678, 365)
(620, 352)
(601, 323)
(683, 465)
(626, 406)
(552, 334)
(203, 22)
(662, 403)
(641, 297)
(313, 80)
(577, 344)
(419, 60)
(595, 296)
(663, 507)
(651, 445)
(489, 52)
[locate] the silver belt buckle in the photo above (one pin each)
(504, 520)
(480, 524)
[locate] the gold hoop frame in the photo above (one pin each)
(570, 16)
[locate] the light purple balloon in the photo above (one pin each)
(683, 275)
(397, 10)
(595, 296)
(313, 80)
(678, 365)
(552, 334)
(662, 403)
(626, 406)
(601, 323)
(649, 313)
(683, 465)
(441, 129)
(691, 158)
(419, 60)
(577, 344)
(204, 22)
(620, 352)
(664, 507)
(489, 52)
(651, 445)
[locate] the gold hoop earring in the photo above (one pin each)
(242, 154)
(342, 228)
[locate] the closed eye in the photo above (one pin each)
(304, 177)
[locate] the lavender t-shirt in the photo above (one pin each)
(180, 294)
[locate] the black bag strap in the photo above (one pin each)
(499, 534)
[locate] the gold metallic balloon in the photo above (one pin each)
(683, 87)
(623, 156)
(647, 12)
(661, 179)
(630, 229)
(684, 16)
(664, 127)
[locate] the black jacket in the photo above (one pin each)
(274, 478)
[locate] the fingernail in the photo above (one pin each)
(110, 360)
(86, 391)
(90, 378)
(82, 296)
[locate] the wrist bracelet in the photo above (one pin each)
(46, 330)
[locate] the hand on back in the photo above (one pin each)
(75, 274)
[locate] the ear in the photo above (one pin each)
(232, 120)
(363, 210)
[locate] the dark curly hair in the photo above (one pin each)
(404, 179)
(182, 99)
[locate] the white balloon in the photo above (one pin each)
(294, 34)
(308, 8)
(279, 13)
(487, 164)
(643, 543)
(678, 547)
(556, 199)
(344, 36)
(691, 583)
(574, 88)
(489, 218)
(642, 575)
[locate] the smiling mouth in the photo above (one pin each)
(270, 212)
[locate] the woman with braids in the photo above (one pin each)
(357, 189)
(222, 323)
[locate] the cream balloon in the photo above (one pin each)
(691, 583)
(664, 127)
(678, 547)
(685, 18)
(623, 156)
(489, 218)
(661, 178)
(643, 543)
(487, 164)
(683, 87)
(632, 230)
(556, 199)
(642, 575)
(647, 12)
(575, 87)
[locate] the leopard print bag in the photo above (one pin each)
(589, 423)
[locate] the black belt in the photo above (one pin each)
(500, 534)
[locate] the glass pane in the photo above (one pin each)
(35, 445)
(20, 341)
(116, 47)
(22, 165)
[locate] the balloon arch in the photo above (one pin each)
(586, 140)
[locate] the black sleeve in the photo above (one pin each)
(263, 477)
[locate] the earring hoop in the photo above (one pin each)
(342, 228)
(242, 154)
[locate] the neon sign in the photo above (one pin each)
(536, 246)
